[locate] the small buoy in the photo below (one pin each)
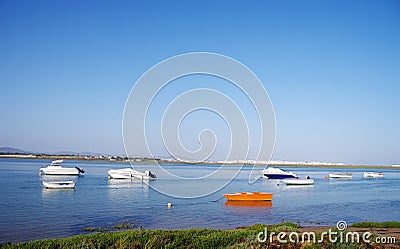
(327, 177)
(169, 204)
(109, 177)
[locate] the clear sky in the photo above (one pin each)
(331, 69)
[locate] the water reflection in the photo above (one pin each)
(128, 183)
(271, 185)
(262, 204)
(287, 187)
(50, 193)
(59, 178)
(127, 190)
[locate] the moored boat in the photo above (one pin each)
(299, 181)
(249, 196)
(56, 168)
(129, 173)
(341, 175)
(373, 174)
(59, 184)
(276, 173)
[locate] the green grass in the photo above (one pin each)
(191, 238)
(370, 224)
(245, 237)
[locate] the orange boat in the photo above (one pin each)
(249, 196)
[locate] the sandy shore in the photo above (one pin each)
(382, 232)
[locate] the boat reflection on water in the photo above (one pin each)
(59, 178)
(288, 187)
(127, 183)
(59, 184)
(126, 191)
(262, 204)
(51, 193)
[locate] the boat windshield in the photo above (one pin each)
(56, 163)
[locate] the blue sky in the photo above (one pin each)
(331, 69)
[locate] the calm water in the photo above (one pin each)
(27, 211)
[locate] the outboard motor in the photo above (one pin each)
(80, 170)
(152, 175)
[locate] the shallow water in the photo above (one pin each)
(27, 211)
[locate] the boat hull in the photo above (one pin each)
(59, 185)
(127, 176)
(299, 181)
(249, 196)
(59, 171)
(128, 173)
(279, 176)
(277, 173)
(373, 175)
(344, 176)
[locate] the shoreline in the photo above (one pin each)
(171, 161)
(240, 237)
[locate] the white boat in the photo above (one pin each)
(341, 175)
(276, 173)
(299, 181)
(59, 184)
(56, 168)
(129, 173)
(373, 174)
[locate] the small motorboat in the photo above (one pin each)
(341, 175)
(59, 184)
(299, 181)
(129, 173)
(249, 196)
(373, 174)
(276, 173)
(56, 168)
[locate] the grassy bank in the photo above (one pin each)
(193, 238)
(371, 224)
